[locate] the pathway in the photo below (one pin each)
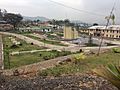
(30, 40)
(32, 51)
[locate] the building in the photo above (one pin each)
(36, 29)
(70, 33)
(112, 31)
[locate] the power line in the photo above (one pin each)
(88, 12)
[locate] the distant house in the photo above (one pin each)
(70, 32)
(35, 29)
(112, 31)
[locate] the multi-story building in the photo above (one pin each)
(112, 31)
(70, 32)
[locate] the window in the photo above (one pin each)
(106, 35)
(112, 36)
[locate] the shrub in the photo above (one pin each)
(14, 46)
(20, 44)
(116, 50)
(40, 54)
(46, 58)
(43, 73)
(78, 57)
(32, 43)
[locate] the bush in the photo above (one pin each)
(40, 54)
(32, 43)
(43, 73)
(116, 50)
(78, 57)
(14, 46)
(20, 44)
(46, 57)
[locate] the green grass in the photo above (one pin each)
(89, 63)
(90, 45)
(47, 41)
(26, 59)
(25, 46)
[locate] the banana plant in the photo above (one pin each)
(111, 73)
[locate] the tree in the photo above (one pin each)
(2, 13)
(95, 24)
(67, 22)
(1, 17)
(113, 19)
(13, 19)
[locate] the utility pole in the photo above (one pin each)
(105, 29)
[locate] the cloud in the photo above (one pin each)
(52, 10)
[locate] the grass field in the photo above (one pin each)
(89, 63)
(24, 47)
(30, 58)
(47, 41)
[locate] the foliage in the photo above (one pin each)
(90, 44)
(116, 50)
(95, 24)
(13, 19)
(14, 46)
(88, 64)
(78, 57)
(111, 73)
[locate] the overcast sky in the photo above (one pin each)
(51, 10)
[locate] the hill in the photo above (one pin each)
(35, 18)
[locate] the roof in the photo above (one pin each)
(111, 27)
(2, 22)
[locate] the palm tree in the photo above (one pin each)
(113, 19)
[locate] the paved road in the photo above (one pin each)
(1, 53)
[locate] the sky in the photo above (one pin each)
(97, 9)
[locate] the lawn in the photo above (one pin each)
(47, 41)
(89, 63)
(26, 59)
(24, 47)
